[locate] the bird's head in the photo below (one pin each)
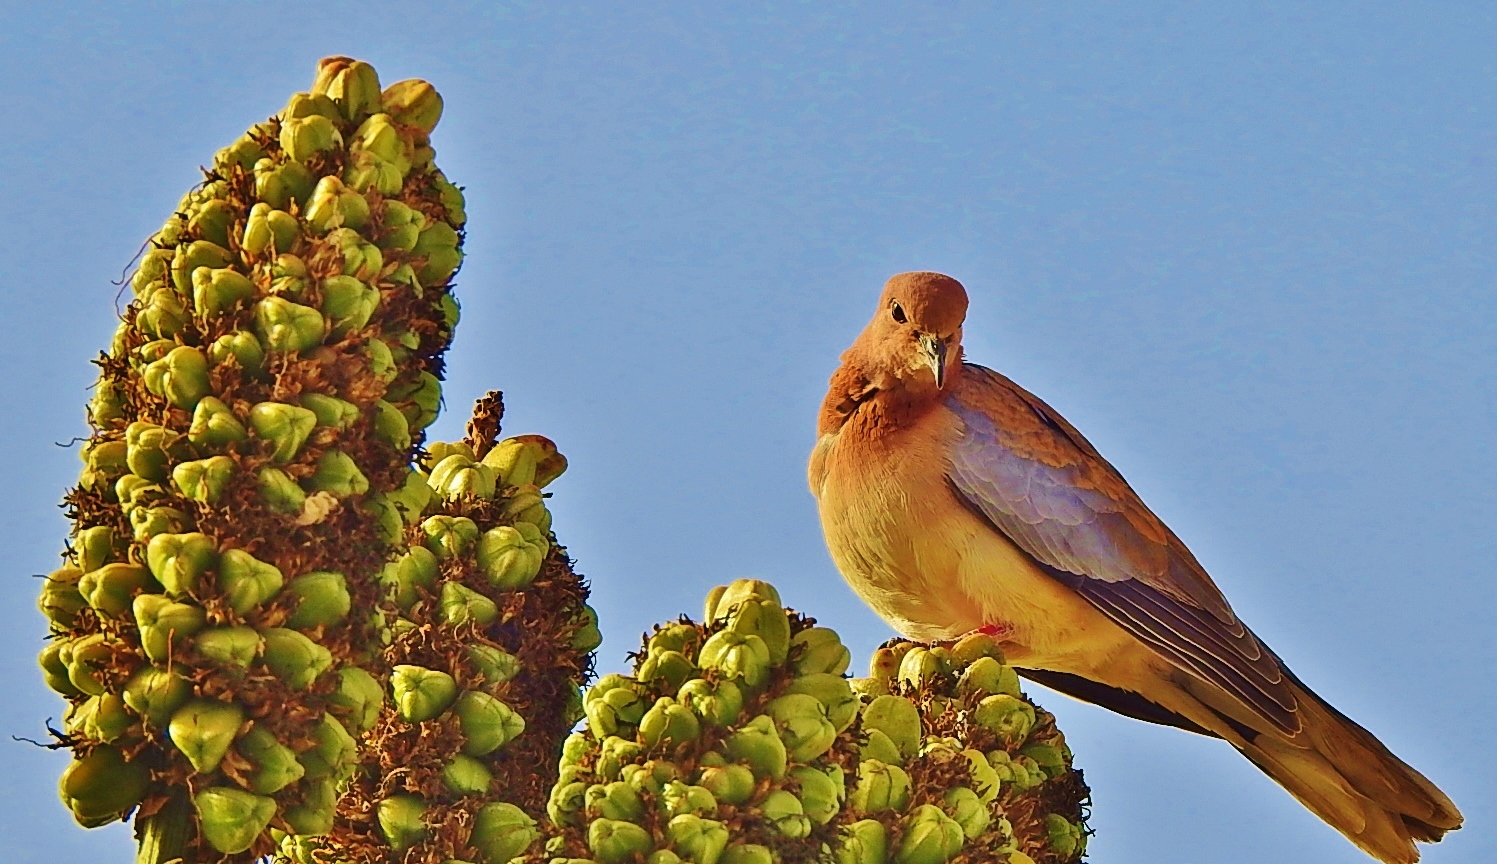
(916, 332)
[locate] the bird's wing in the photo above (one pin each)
(1019, 465)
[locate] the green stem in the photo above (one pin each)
(164, 834)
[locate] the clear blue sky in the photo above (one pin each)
(1249, 252)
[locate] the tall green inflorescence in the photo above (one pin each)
(249, 476)
(489, 637)
(742, 742)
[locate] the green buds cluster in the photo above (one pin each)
(230, 517)
(740, 740)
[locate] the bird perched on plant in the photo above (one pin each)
(953, 500)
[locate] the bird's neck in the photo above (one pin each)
(870, 403)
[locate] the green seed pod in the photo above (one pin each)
(293, 657)
(401, 821)
(990, 677)
(213, 423)
(229, 647)
(613, 710)
(930, 837)
(676, 798)
(567, 802)
(985, 779)
(334, 205)
(246, 581)
(682, 637)
(461, 604)
(279, 184)
(1064, 836)
(511, 556)
(465, 775)
(279, 492)
(921, 665)
(494, 664)
(698, 840)
(286, 326)
(147, 522)
(401, 578)
(311, 104)
(243, 348)
(458, 475)
(671, 667)
(786, 813)
(819, 794)
(189, 257)
(881, 747)
(112, 588)
(381, 361)
(880, 787)
(165, 626)
(390, 425)
(203, 729)
(217, 290)
(347, 304)
(588, 637)
(315, 814)
(864, 842)
(765, 619)
(154, 267)
(885, 661)
(803, 726)
(413, 103)
(421, 694)
(668, 724)
(351, 84)
(967, 809)
(257, 234)
(107, 407)
(321, 599)
(747, 853)
(502, 831)
(730, 784)
(758, 745)
(55, 669)
(898, 718)
(286, 427)
(419, 401)
(149, 449)
(818, 650)
(60, 599)
(835, 695)
(367, 172)
(211, 222)
(156, 694)
(232, 819)
(617, 800)
(334, 753)
(734, 655)
(723, 599)
(449, 536)
(1007, 716)
(101, 718)
(304, 137)
(179, 560)
(973, 647)
(614, 841)
(204, 480)
(331, 411)
(99, 787)
(274, 764)
(487, 723)
(243, 153)
(161, 315)
(358, 699)
(614, 754)
(94, 547)
(181, 377)
(516, 460)
(1047, 756)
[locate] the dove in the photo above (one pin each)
(952, 500)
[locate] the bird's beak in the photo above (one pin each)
(934, 351)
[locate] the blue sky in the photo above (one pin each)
(1247, 251)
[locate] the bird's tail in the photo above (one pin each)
(1349, 779)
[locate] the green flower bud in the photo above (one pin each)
(449, 536)
(734, 655)
(765, 619)
(730, 784)
(1007, 716)
(413, 103)
(274, 765)
(211, 221)
(440, 264)
(321, 599)
(967, 810)
(461, 604)
(502, 831)
(898, 718)
(279, 184)
(203, 729)
(294, 658)
(401, 821)
(279, 492)
(331, 411)
(229, 647)
(181, 377)
(487, 723)
(419, 401)
(191, 256)
(803, 726)
(347, 304)
(421, 694)
(818, 650)
(286, 427)
(465, 775)
(286, 326)
(179, 560)
(390, 425)
(204, 480)
(930, 837)
(786, 813)
(148, 522)
(358, 699)
(698, 840)
(494, 664)
(333, 755)
(668, 724)
(213, 423)
(243, 348)
(165, 626)
(458, 475)
(314, 815)
(304, 137)
(111, 588)
(156, 694)
(334, 205)
(985, 779)
(614, 841)
(246, 581)
(149, 449)
(511, 556)
(60, 599)
(99, 787)
(990, 677)
(101, 718)
(863, 842)
(758, 745)
(672, 667)
(880, 787)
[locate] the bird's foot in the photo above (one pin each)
(997, 631)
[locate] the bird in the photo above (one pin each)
(952, 500)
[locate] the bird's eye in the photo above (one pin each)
(898, 312)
